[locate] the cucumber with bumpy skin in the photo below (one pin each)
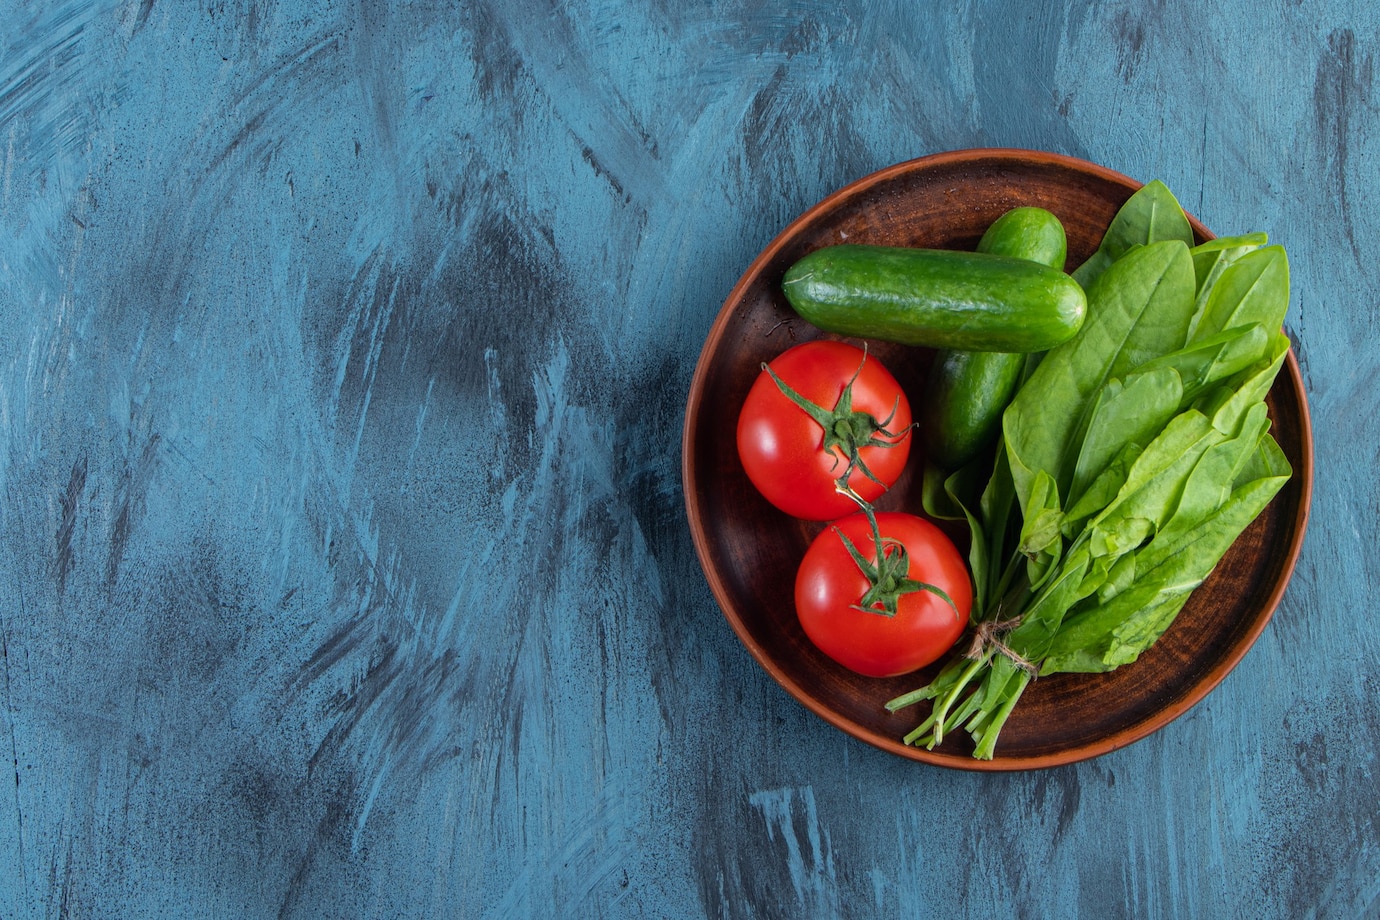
(965, 396)
(936, 298)
(968, 390)
(1032, 234)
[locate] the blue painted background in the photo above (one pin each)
(343, 356)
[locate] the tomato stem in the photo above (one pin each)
(846, 430)
(888, 574)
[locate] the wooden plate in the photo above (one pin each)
(750, 551)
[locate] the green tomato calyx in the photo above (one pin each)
(888, 574)
(846, 430)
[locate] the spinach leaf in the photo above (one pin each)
(1139, 309)
(1151, 487)
(1229, 401)
(1075, 578)
(1253, 289)
(996, 509)
(1132, 412)
(1040, 529)
(1213, 477)
(1213, 358)
(1102, 490)
(1106, 634)
(935, 497)
(1151, 215)
(1211, 257)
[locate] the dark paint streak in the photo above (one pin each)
(654, 489)
(765, 122)
(213, 166)
(198, 623)
(1021, 79)
(408, 704)
(130, 492)
(540, 42)
(39, 72)
(10, 709)
(329, 831)
(1069, 792)
(1333, 885)
(599, 170)
(64, 892)
(1341, 93)
(405, 712)
(1129, 33)
(67, 521)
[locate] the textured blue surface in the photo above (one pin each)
(343, 566)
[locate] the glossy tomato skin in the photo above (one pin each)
(829, 583)
(781, 447)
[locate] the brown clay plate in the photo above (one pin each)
(749, 550)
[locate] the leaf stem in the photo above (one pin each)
(987, 743)
(941, 708)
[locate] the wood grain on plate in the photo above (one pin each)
(750, 551)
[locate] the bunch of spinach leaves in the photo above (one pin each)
(1130, 459)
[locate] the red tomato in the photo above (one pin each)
(830, 585)
(783, 448)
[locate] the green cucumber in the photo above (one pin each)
(1032, 234)
(968, 391)
(966, 394)
(936, 298)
